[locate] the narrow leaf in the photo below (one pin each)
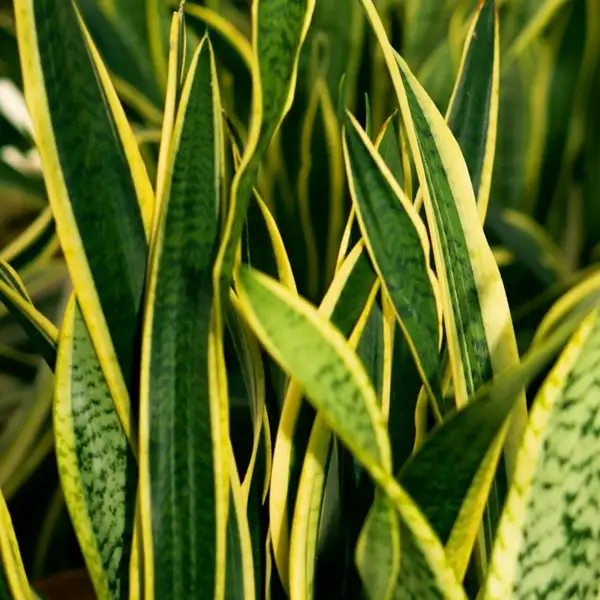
(398, 245)
(473, 110)
(184, 507)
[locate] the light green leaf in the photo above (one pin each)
(316, 354)
(548, 540)
(97, 469)
(342, 304)
(184, 484)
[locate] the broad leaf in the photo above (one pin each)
(316, 354)
(95, 195)
(548, 540)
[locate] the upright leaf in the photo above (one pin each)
(184, 483)
(398, 245)
(473, 111)
(92, 192)
(97, 469)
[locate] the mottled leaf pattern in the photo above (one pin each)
(397, 242)
(548, 543)
(97, 470)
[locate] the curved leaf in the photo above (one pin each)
(311, 488)
(13, 580)
(184, 485)
(343, 304)
(42, 333)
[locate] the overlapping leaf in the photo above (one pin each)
(315, 353)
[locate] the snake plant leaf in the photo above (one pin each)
(173, 86)
(343, 303)
(311, 487)
(473, 110)
(42, 332)
(576, 301)
(97, 469)
(34, 246)
(251, 364)
(389, 149)
(184, 507)
(240, 583)
(478, 425)
(13, 580)
(320, 160)
(92, 187)
(479, 329)
(398, 245)
(316, 354)
(548, 538)
(279, 28)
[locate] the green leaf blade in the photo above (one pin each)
(182, 484)
(473, 111)
(549, 539)
(397, 242)
(97, 469)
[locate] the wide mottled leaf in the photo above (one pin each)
(316, 354)
(95, 194)
(473, 111)
(548, 540)
(97, 469)
(184, 486)
(476, 426)
(398, 245)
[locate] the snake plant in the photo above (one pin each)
(325, 320)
